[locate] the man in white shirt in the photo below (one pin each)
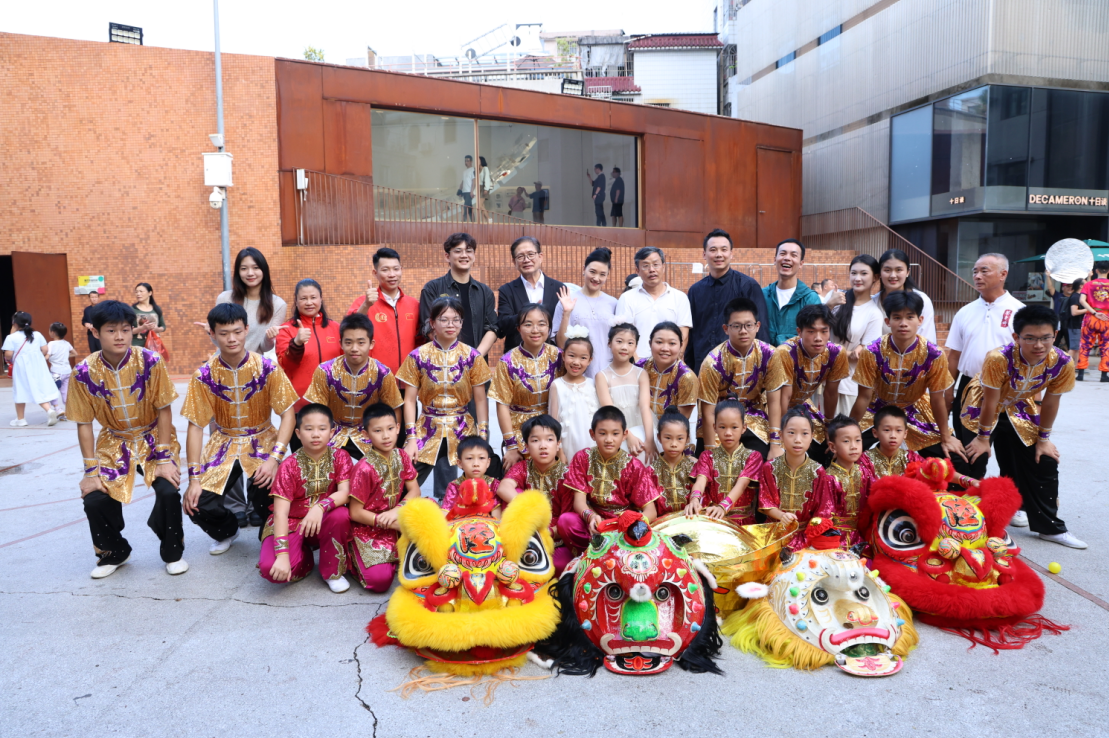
(532, 287)
(828, 288)
(654, 301)
(466, 190)
(978, 328)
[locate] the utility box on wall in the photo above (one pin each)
(217, 169)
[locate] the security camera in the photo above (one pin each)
(216, 198)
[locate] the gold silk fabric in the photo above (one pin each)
(884, 467)
(851, 482)
(240, 400)
(348, 394)
(444, 379)
(794, 487)
(677, 385)
(905, 379)
(675, 481)
(522, 382)
(791, 365)
(725, 371)
(1020, 383)
(125, 400)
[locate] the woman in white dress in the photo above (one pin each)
(856, 322)
(573, 397)
(625, 385)
(25, 350)
(893, 270)
(590, 308)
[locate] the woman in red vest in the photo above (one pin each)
(308, 339)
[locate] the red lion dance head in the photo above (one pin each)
(949, 556)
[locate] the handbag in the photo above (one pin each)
(11, 364)
(155, 343)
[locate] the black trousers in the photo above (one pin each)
(977, 469)
(216, 520)
(750, 441)
(106, 524)
(352, 448)
(599, 209)
(1038, 482)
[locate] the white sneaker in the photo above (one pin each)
(17, 423)
(1066, 538)
(106, 570)
(338, 585)
(1020, 520)
(221, 546)
(51, 417)
(177, 567)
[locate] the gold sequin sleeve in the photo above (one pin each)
(78, 404)
(317, 390)
(501, 390)
(197, 408)
(709, 381)
(479, 372)
(939, 378)
(161, 386)
(282, 394)
(390, 393)
(1062, 383)
(866, 371)
(688, 389)
(841, 368)
(995, 370)
(780, 370)
(409, 373)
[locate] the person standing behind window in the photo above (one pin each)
(616, 194)
(251, 287)
(86, 320)
(149, 314)
(598, 195)
(466, 190)
(540, 202)
(518, 202)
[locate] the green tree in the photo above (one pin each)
(311, 53)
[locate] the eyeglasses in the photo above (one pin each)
(529, 256)
(1044, 340)
(741, 326)
(449, 321)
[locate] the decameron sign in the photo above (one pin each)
(1057, 199)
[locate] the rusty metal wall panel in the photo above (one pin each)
(299, 116)
(674, 183)
(42, 289)
(348, 145)
(778, 195)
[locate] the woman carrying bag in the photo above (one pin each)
(25, 351)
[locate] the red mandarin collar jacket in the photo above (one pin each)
(396, 330)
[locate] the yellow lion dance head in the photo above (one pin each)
(473, 595)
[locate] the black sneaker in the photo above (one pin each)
(256, 520)
(1105, 376)
(241, 517)
(1080, 375)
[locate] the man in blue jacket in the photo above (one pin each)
(786, 297)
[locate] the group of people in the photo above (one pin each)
(800, 406)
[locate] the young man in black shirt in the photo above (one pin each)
(617, 197)
(598, 183)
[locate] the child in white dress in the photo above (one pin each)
(25, 351)
(625, 386)
(573, 397)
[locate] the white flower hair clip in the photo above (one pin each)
(577, 331)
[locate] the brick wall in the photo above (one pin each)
(102, 145)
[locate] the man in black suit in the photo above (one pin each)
(532, 287)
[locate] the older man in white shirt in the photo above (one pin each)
(978, 328)
(654, 301)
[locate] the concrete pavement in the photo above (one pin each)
(220, 652)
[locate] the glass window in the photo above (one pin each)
(826, 37)
(785, 60)
(1007, 148)
(910, 164)
(958, 152)
(538, 173)
(1069, 151)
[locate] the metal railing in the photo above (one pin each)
(854, 229)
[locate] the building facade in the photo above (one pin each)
(968, 126)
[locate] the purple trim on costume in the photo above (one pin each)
(126, 358)
(257, 384)
(337, 387)
(218, 459)
(911, 414)
(256, 451)
(453, 373)
(82, 375)
(142, 376)
(1022, 407)
(932, 352)
(669, 395)
(204, 375)
(753, 379)
(518, 374)
(155, 454)
(124, 468)
(424, 431)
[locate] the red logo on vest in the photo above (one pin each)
(1005, 318)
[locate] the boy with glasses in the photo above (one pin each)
(1001, 407)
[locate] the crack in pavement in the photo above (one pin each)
(188, 599)
(358, 664)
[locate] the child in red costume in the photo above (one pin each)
(724, 472)
(846, 481)
(474, 456)
(788, 486)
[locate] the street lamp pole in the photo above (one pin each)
(224, 227)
